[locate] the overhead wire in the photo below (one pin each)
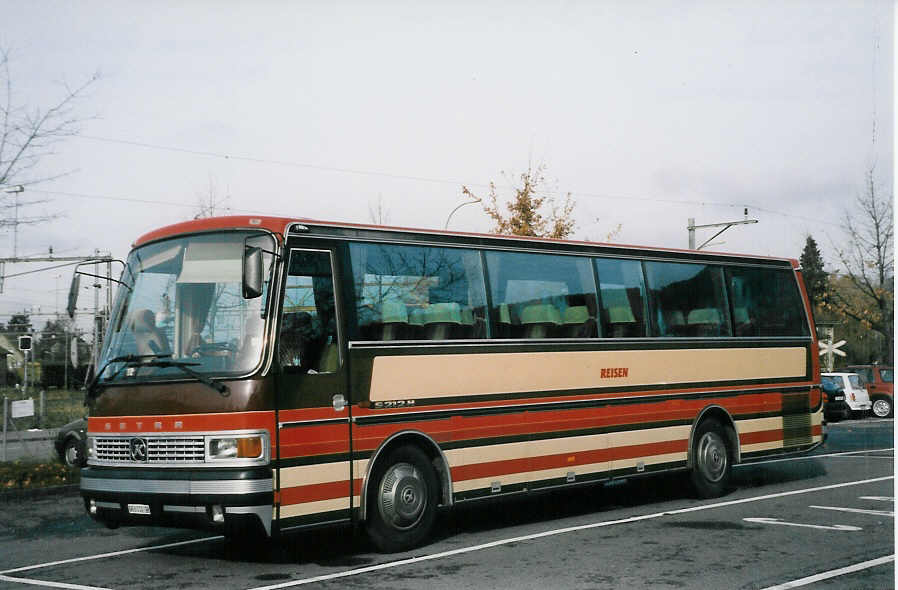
(357, 171)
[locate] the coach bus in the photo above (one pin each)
(262, 374)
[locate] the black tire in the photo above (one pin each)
(402, 500)
(72, 453)
(712, 460)
(883, 407)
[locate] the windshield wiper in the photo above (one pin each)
(185, 367)
(128, 359)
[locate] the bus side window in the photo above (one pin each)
(766, 302)
(687, 300)
(541, 295)
(622, 294)
(417, 293)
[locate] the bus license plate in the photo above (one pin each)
(138, 509)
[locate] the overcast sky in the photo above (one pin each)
(649, 113)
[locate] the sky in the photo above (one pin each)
(648, 113)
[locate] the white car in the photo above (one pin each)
(856, 396)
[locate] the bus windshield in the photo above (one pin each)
(184, 302)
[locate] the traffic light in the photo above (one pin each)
(25, 342)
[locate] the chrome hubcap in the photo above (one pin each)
(71, 455)
(881, 408)
(711, 457)
(402, 496)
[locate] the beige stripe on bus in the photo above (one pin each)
(314, 474)
(319, 506)
(450, 375)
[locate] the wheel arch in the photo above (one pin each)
(426, 444)
(720, 414)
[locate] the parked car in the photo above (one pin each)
(70, 443)
(879, 382)
(856, 396)
(834, 407)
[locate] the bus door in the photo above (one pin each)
(314, 474)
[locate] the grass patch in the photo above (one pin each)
(23, 475)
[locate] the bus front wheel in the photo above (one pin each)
(403, 500)
(711, 460)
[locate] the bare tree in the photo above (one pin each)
(209, 203)
(868, 263)
(526, 215)
(378, 214)
(29, 135)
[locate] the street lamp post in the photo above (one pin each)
(476, 200)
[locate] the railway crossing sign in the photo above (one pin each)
(827, 347)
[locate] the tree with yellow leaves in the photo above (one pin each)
(526, 212)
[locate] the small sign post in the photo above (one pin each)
(828, 348)
(23, 408)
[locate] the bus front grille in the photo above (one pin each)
(169, 450)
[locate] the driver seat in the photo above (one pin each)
(149, 339)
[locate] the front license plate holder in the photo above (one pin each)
(139, 509)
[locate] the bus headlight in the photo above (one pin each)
(91, 448)
(242, 447)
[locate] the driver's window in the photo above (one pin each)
(308, 334)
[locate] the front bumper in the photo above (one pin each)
(226, 500)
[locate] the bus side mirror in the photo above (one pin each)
(252, 272)
(73, 295)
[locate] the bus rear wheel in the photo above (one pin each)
(403, 500)
(711, 460)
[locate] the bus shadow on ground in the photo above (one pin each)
(597, 499)
(344, 546)
(337, 546)
(754, 476)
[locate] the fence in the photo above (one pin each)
(30, 420)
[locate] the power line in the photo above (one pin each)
(293, 164)
(211, 154)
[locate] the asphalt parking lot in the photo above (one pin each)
(824, 520)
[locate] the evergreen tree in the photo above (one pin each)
(815, 278)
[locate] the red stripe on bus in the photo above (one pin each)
(333, 490)
(293, 451)
(751, 438)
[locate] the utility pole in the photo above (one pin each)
(97, 286)
(691, 227)
(14, 190)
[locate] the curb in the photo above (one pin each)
(32, 493)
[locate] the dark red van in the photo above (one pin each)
(880, 385)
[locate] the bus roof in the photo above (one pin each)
(280, 227)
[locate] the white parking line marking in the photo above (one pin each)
(48, 584)
(552, 533)
(857, 510)
(833, 573)
(846, 454)
(104, 555)
(878, 498)
(835, 527)
(394, 564)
